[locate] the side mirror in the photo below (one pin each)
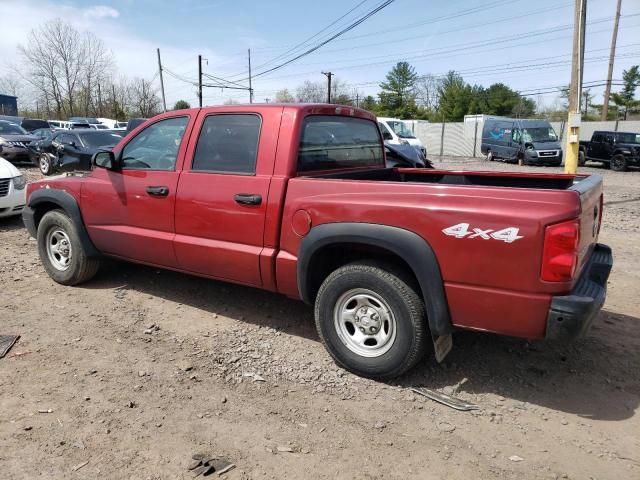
(105, 159)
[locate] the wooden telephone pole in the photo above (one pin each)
(612, 56)
(328, 75)
(164, 102)
(575, 90)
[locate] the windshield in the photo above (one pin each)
(539, 134)
(400, 129)
(11, 129)
(100, 139)
(628, 138)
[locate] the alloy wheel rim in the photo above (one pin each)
(59, 249)
(365, 323)
(44, 163)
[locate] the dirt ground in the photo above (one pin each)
(240, 373)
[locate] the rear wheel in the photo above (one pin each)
(45, 163)
(618, 163)
(371, 320)
(61, 250)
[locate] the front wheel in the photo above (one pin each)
(618, 163)
(490, 157)
(371, 321)
(581, 159)
(61, 251)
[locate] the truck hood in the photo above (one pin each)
(413, 141)
(18, 137)
(7, 170)
(634, 148)
(546, 145)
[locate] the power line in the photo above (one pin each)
(333, 37)
(305, 42)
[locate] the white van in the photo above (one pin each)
(395, 132)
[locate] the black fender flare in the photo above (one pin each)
(407, 245)
(66, 202)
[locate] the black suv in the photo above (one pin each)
(618, 150)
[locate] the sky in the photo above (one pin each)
(522, 43)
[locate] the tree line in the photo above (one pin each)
(65, 72)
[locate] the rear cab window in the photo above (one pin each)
(331, 142)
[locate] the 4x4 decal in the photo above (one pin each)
(461, 230)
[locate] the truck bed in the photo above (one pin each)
(447, 177)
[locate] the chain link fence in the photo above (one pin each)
(463, 139)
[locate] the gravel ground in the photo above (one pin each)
(140, 368)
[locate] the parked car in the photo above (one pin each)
(392, 259)
(99, 126)
(120, 126)
(617, 150)
(59, 124)
(79, 126)
(71, 150)
(12, 191)
(514, 139)
(89, 120)
(395, 132)
(15, 142)
(29, 124)
(134, 122)
(405, 156)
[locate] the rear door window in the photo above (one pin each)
(228, 143)
(331, 142)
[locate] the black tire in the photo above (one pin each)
(490, 157)
(411, 331)
(45, 163)
(618, 163)
(80, 267)
(582, 160)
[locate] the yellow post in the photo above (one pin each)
(572, 145)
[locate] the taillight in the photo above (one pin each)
(560, 254)
(601, 212)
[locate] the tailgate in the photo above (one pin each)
(590, 191)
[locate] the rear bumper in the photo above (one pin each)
(570, 316)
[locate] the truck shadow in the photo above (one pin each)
(11, 223)
(595, 377)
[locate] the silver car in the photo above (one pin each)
(14, 143)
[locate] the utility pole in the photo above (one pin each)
(328, 75)
(612, 55)
(115, 104)
(164, 102)
(200, 80)
(99, 101)
(357, 100)
(250, 88)
(575, 91)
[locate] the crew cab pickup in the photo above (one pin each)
(618, 150)
(296, 199)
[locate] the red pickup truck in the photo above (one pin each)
(296, 199)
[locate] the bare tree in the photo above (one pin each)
(62, 64)
(143, 98)
(283, 96)
(311, 92)
(427, 91)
